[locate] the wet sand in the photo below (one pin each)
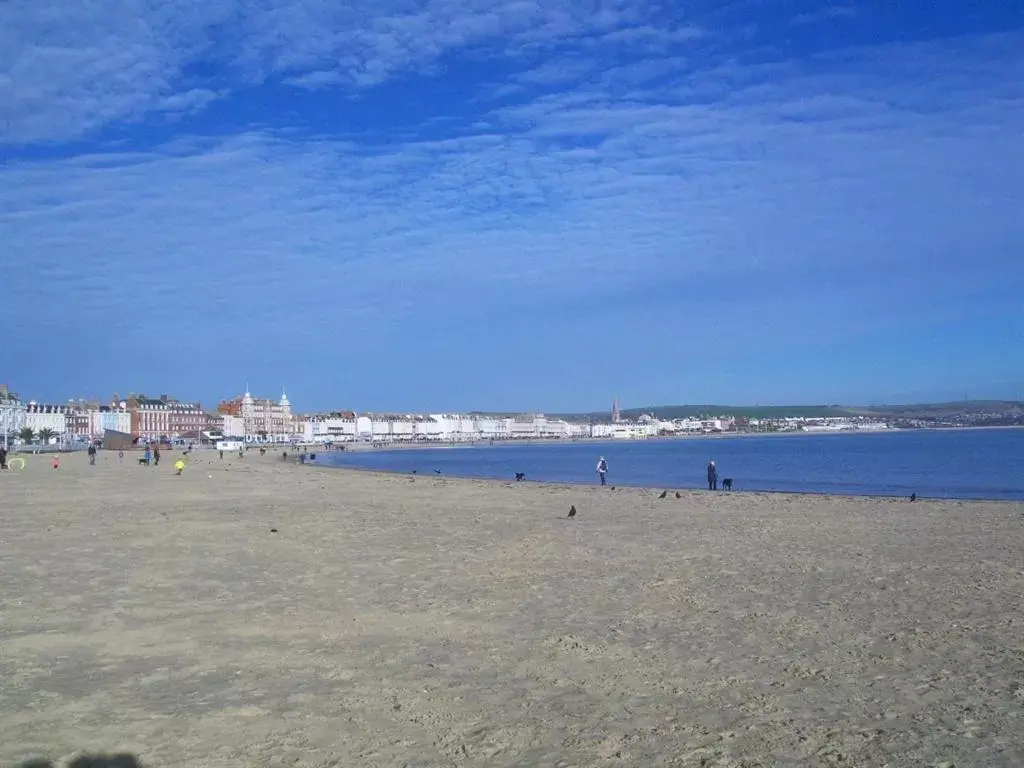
(422, 621)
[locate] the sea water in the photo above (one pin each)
(963, 464)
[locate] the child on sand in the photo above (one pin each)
(180, 466)
(56, 462)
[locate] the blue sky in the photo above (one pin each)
(425, 205)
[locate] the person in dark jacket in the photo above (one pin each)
(712, 476)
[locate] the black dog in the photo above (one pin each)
(520, 476)
(726, 483)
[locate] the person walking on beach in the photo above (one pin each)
(120, 457)
(602, 470)
(147, 456)
(92, 455)
(156, 456)
(3, 457)
(712, 476)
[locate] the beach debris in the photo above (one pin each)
(273, 530)
(663, 494)
(572, 512)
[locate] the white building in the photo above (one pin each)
(40, 416)
(262, 418)
(625, 431)
(233, 426)
(12, 415)
(113, 419)
(491, 428)
(578, 429)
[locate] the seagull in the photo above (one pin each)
(663, 494)
(572, 512)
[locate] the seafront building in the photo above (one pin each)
(166, 418)
(261, 417)
(264, 420)
(12, 415)
(348, 426)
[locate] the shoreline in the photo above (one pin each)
(567, 485)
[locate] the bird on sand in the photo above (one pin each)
(679, 495)
(663, 494)
(572, 512)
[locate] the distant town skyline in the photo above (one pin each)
(499, 205)
(214, 400)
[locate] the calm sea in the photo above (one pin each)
(965, 464)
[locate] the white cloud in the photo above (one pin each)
(189, 101)
(577, 200)
(66, 72)
(827, 13)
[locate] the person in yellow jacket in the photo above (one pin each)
(179, 465)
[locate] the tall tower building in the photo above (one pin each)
(615, 411)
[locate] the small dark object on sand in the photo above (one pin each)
(414, 471)
(520, 476)
(572, 512)
(613, 487)
(679, 495)
(913, 497)
(726, 483)
(663, 494)
(437, 471)
(273, 530)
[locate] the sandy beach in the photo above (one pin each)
(421, 621)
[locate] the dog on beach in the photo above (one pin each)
(520, 476)
(726, 483)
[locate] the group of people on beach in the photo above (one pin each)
(602, 474)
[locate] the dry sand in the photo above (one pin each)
(408, 621)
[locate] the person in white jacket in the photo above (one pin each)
(602, 469)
